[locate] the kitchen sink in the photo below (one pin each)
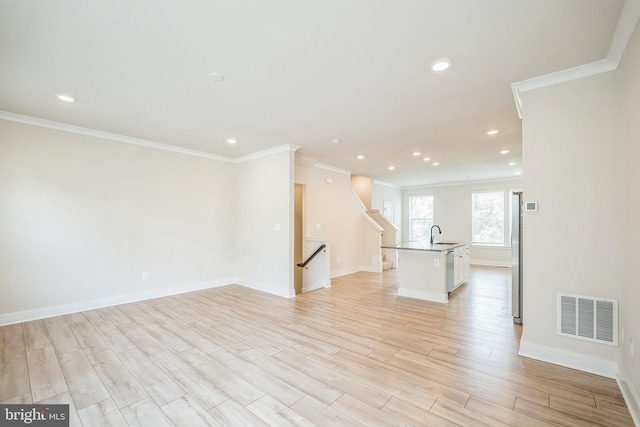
(445, 243)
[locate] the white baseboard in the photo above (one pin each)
(318, 285)
(266, 287)
(489, 263)
(579, 361)
(371, 269)
(630, 394)
(59, 310)
(345, 271)
(427, 296)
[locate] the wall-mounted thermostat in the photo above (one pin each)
(530, 206)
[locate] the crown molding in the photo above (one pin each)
(627, 23)
(386, 184)
(267, 152)
(19, 118)
(331, 168)
(5, 115)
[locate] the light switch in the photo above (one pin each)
(276, 227)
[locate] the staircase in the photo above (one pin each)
(387, 264)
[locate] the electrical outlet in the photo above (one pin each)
(259, 269)
(338, 260)
(317, 226)
(436, 262)
(145, 275)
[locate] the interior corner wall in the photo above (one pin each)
(82, 218)
(629, 90)
(573, 244)
(264, 222)
(362, 186)
(331, 210)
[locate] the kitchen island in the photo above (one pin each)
(430, 271)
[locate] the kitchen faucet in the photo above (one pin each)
(439, 232)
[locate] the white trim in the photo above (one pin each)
(319, 285)
(59, 310)
(490, 263)
(625, 28)
(627, 23)
(5, 115)
(585, 70)
(630, 394)
(385, 220)
(386, 184)
(427, 296)
(267, 152)
(34, 121)
(266, 287)
(364, 208)
(372, 222)
(344, 271)
(331, 168)
(579, 361)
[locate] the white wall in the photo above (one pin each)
(264, 202)
(334, 208)
(82, 217)
(452, 212)
(629, 90)
(381, 193)
(573, 244)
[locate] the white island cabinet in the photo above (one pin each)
(431, 271)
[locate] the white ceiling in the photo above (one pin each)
(301, 72)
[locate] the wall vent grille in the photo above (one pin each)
(588, 318)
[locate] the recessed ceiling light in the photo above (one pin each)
(65, 98)
(440, 64)
(360, 157)
(416, 153)
(335, 141)
(426, 159)
(435, 163)
(492, 131)
(512, 163)
(216, 77)
(231, 141)
(504, 152)
(518, 173)
(391, 168)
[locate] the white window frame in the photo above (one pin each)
(411, 219)
(505, 212)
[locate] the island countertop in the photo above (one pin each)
(426, 246)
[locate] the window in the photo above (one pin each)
(420, 217)
(487, 216)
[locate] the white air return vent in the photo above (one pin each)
(588, 318)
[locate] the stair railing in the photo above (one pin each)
(313, 255)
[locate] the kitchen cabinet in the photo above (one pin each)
(429, 271)
(461, 263)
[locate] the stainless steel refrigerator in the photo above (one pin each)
(516, 256)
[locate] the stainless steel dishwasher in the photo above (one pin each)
(450, 267)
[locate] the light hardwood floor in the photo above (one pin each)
(353, 354)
